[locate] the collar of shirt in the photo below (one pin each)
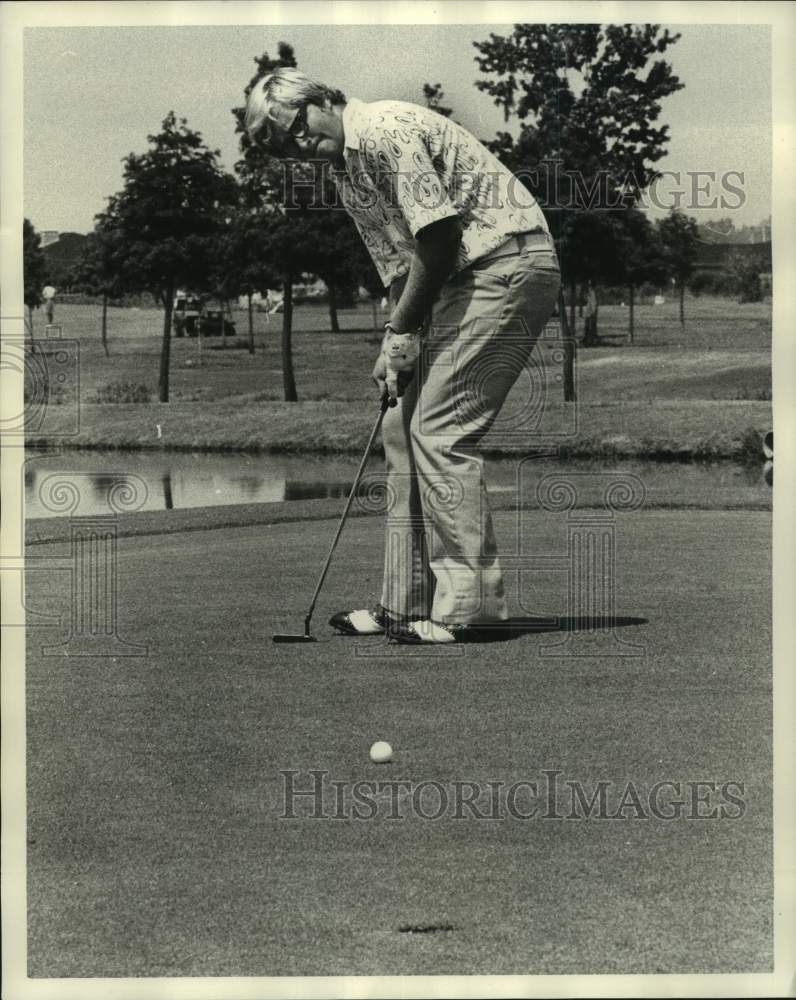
(353, 122)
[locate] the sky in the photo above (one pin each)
(93, 94)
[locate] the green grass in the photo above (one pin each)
(676, 429)
(695, 393)
(155, 843)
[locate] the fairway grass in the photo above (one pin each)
(702, 392)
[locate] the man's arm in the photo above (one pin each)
(436, 250)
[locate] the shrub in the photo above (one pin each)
(613, 296)
(750, 446)
(712, 283)
(121, 392)
(648, 291)
(747, 281)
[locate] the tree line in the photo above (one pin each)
(586, 98)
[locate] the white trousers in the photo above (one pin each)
(441, 560)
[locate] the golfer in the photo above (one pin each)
(473, 277)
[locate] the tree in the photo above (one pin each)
(602, 130)
(372, 284)
(99, 269)
(62, 258)
(434, 97)
(587, 97)
(34, 269)
(167, 220)
(679, 236)
(245, 263)
(642, 256)
(336, 254)
(261, 177)
(592, 240)
(302, 234)
(744, 273)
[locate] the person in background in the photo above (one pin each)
(590, 322)
(48, 293)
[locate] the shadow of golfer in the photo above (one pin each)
(513, 628)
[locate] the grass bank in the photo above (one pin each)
(671, 429)
(699, 392)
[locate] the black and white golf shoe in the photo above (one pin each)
(362, 622)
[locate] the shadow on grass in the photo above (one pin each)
(514, 628)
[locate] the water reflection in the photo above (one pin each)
(295, 490)
(167, 496)
(175, 481)
(180, 481)
(101, 482)
(249, 485)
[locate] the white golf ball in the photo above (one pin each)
(381, 752)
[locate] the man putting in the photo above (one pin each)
(473, 277)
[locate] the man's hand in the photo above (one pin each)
(394, 368)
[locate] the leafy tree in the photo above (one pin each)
(62, 258)
(587, 97)
(99, 269)
(261, 175)
(593, 243)
(599, 128)
(370, 281)
(245, 263)
(642, 256)
(679, 236)
(167, 220)
(301, 235)
(434, 97)
(262, 184)
(34, 269)
(336, 253)
(744, 273)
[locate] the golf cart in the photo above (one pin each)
(192, 314)
(186, 313)
(215, 324)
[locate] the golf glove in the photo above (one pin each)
(399, 354)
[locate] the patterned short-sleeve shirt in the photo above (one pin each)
(407, 166)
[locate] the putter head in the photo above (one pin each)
(287, 637)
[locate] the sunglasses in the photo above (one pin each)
(280, 137)
(300, 129)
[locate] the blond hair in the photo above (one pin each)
(275, 98)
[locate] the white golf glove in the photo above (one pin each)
(399, 354)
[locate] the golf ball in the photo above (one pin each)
(381, 752)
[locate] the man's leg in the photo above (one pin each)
(408, 586)
(485, 325)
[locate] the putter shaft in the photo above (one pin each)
(307, 637)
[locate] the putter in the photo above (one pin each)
(306, 637)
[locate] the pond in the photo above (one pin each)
(93, 482)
